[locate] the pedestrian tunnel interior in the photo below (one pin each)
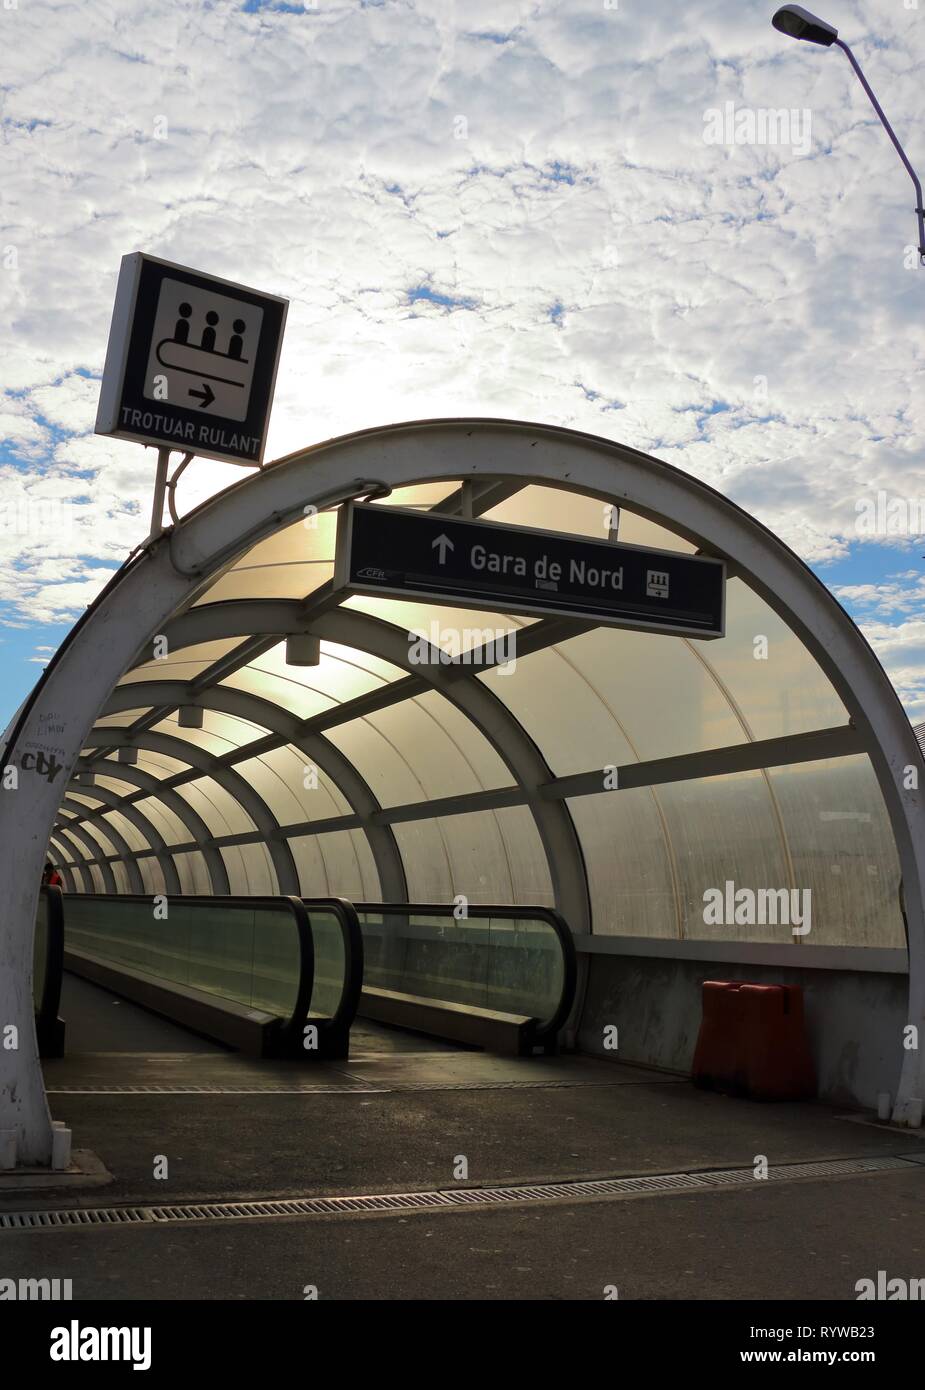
(534, 817)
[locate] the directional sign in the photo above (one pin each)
(191, 362)
(515, 569)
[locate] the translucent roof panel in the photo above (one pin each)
(302, 545)
(392, 780)
(152, 875)
(486, 856)
(311, 867)
(122, 719)
(166, 822)
(192, 873)
(291, 563)
(160, 765)
(419, 495)
(477, 859)
(308, 690)
(215, 737)
(626, 850)
(74, 848)
(204, 805)
(770, 675)
(104, 845)
(416, 751)
(724, 829)
(818, 829)
(120, 874)
(129, 832)
(182, 664)
(338, 863)
(630, 697)
(250, 869)
(269, 582)
(526, 858)
(555, 509)
(422, 845)
(638, 696)
(232, 731)
(485, 765)
(843, 851)
(91, 801)
(453, 630)
(220, 809)
(294, 787)
(365, 661)
(115, 784)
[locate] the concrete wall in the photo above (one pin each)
(855, 1018)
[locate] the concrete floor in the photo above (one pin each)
(397, 1117)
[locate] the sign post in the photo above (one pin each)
(191, 362)
(516, 569)
(160, 489)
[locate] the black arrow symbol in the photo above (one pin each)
(206, 395)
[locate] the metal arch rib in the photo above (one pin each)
(154, 841)
(148, 831)
(381, 838)
(484, 710)
(84, 837)
(136, 882)
(505, 734)
(199, 831)
(61, 865)
(78, 867)
(232, 782)
(287, 728)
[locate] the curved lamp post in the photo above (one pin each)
(800, 24)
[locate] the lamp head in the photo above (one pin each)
(800, 24)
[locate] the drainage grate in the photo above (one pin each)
(498, 1085)
(362, 1086)
(655, 1183)
(306, 1090)
(75, 1216)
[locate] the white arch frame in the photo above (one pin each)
(171, 572)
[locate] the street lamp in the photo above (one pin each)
(800, 24)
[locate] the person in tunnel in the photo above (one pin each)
(51, 877)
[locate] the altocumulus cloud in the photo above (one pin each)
(495, 207)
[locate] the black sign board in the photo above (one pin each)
(191, 362)
(515, 569)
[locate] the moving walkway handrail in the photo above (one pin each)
(547, 1029)
(46, 1016)
(352, 937)
(292, 1030)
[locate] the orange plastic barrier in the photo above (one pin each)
(716, 1058)
(753, 1042)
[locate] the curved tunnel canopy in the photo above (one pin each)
(776, 757)
(376, 777)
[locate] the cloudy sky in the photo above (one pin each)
(572, 211)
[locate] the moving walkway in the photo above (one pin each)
(287, 976)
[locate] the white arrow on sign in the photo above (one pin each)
(443, 544)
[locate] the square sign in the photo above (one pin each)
(191, 362)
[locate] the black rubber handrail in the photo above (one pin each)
(543, 1032)
(291, 1033)
(49, 1030)
(352, 937)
